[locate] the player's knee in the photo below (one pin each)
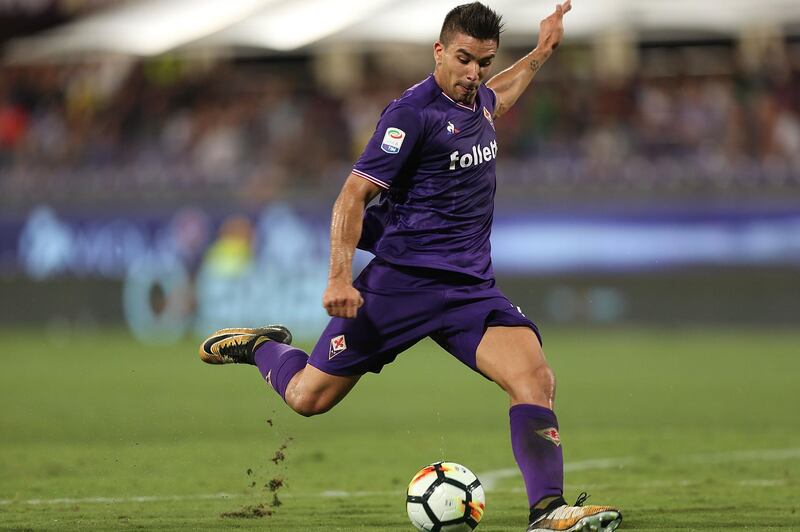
(308, 406)
(536, 386)
(306, 409)
(545, 380)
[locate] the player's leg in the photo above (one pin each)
(484, 330)
(513, 358)
(488, 334)
(313, 392)
(307, 390)
(399, 310)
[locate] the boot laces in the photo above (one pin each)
(581, 499)
(235, 351)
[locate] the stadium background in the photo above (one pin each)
(162, 175)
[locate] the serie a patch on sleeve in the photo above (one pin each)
(392, 140)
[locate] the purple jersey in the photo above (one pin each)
(436, 159)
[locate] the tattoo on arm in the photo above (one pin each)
(535, 65)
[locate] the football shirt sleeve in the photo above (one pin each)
(391, 145)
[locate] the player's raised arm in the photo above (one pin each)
(341, 299)
(509, 84)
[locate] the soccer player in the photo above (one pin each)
(432, 160)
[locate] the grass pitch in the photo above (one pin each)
(683, 429)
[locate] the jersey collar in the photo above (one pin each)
(459, 105)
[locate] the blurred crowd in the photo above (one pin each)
(254, 129)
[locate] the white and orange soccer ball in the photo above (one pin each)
(445, 497)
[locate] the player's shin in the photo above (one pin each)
(278, 363)
(537, 449)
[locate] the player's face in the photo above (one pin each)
(462, 65)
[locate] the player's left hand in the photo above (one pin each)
(551, 29)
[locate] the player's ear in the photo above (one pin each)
(438, 52)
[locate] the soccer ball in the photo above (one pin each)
(445, 497)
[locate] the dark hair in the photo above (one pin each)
(475, 20)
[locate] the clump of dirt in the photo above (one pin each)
(279, 455)
(273, 486)
(264, 509)
(253, 511)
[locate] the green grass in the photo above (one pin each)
(95, 415)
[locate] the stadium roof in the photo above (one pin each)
(152, 27)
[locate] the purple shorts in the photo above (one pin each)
(403, 305)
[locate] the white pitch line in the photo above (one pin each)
(489, 479)
(118, 500)
(745, 456)
(762, 483)
(341, 493)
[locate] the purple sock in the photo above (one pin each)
(537, 449)
(278, 363)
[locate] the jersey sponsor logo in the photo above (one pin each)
(478, 155)
(488, 116)
(392, 140)
(338, 345)
(452, 130)
(550, 434)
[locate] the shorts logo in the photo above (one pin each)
(488, 116)
(337, 346)
(550, 434)
(392, 140)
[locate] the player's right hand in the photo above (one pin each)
(341, 300)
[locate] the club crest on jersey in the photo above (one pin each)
(488, 116)
(337, 346)
(550, 434)
(452, 130)
(392, 140)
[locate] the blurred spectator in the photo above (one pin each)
(231, 255)
(171, 130)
